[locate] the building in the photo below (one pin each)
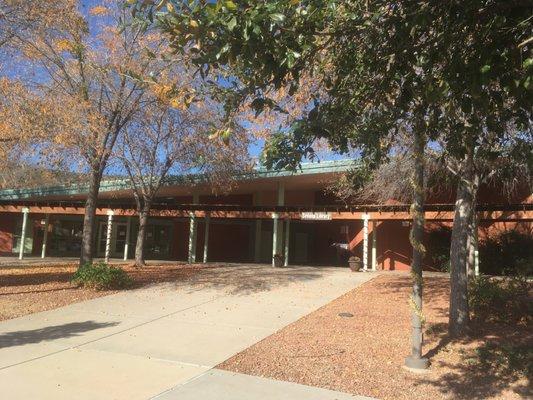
(264, 213)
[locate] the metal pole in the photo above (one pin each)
(127, 243)
(279, 230)
(365, 242)
(374, 245)
(287, 232)
(206, 236)
(25, 212)
(108, 235)
(45, 236)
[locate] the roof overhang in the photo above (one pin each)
(309, 176)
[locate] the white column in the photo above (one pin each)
(128, 234)
(374, 245)
(274, 235)
(281, 202)
(192, 237)
(192, 232)
(25, 212)
(108, 235)
(287, 237)
(476, 244)
(206, 236)
(365, 242)
(476, 251)
(45, 235)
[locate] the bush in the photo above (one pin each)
(506, 254)
(505, 300)
(101, 276)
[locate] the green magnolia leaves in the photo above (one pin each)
(277, 17)
(456, 67)
(230, 5)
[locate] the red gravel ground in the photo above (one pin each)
(29, 289)
(364, 355)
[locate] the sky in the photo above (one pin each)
(19, 70)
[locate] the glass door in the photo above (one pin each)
(120, 233)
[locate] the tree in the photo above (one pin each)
(97, 76)
(17, 141)
(18, 16)
(28, 124)
(151, 145)
(172, 135)
(483, 64)
(270, 45)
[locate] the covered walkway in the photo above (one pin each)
(236, 233)
(284, 213)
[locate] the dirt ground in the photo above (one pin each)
(33, 288)
(364, 354)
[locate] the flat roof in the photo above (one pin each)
(191, 180)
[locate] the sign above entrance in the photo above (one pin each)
(316, 216)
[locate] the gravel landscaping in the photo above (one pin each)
(364, 354)
(33, 288)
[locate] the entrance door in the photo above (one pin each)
(300, 247)
(120, 239)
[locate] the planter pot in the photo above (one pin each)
(278, 261)
(355, 263)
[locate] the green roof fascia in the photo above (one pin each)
(66, 190)
(191, 179)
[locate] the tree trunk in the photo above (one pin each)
(139, 246)
(415, 360)
(459, 313)
(89, 218)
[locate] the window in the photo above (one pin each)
(28, 243)
(65, 238)
(157, 241)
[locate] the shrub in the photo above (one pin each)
(508, 253)
(101, 276)
(505, 300)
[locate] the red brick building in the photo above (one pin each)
(264, 213)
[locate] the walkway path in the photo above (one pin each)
(163, 341)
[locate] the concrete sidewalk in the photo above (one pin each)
(223, 385)
(164, 340)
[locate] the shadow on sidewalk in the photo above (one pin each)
(245, 279)
(20, 338)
